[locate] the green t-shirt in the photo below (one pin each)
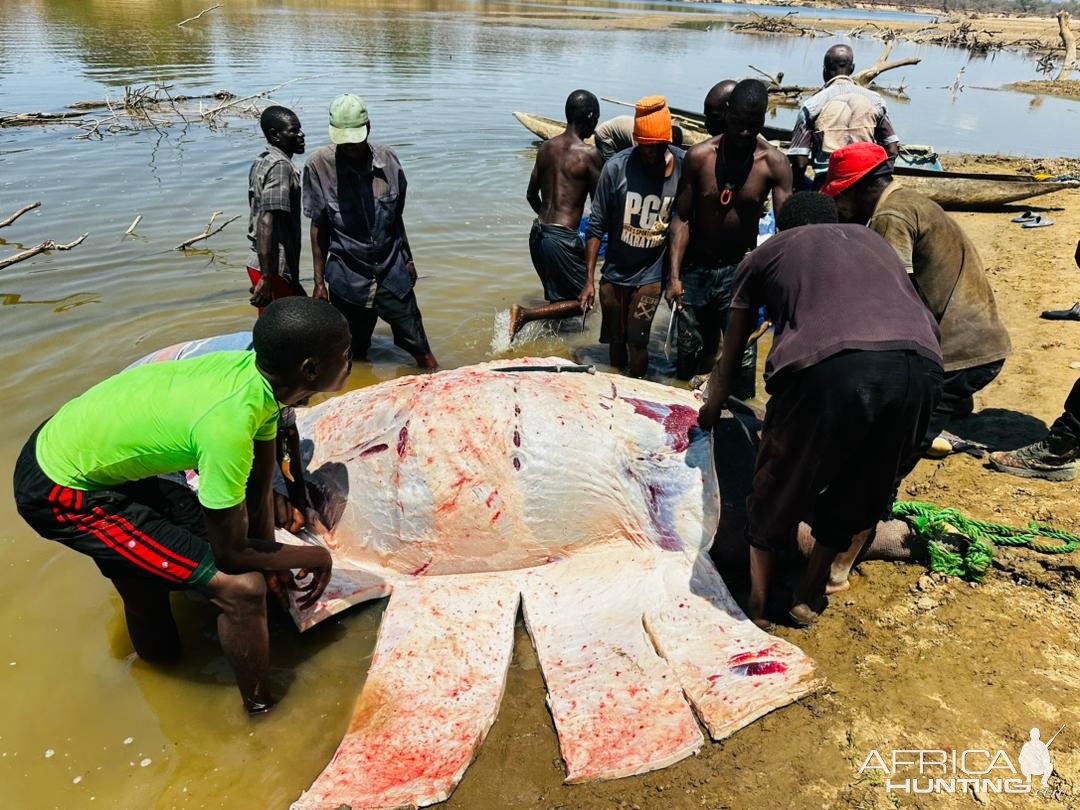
(203, 413)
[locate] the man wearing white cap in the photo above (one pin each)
(354, 194)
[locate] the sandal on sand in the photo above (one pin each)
(1027, 216)
(1038, 222)
(946, 444)
(1071, 314)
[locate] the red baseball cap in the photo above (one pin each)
(850, 164)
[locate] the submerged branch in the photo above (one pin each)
(207, 232)
(19, 213)
(36, 249)
(182, 23)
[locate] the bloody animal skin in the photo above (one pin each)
(594, 506)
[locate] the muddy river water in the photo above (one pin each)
(83, 723)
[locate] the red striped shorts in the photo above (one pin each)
(152, 528)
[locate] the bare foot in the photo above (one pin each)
(832, 587)
(803, 615)
(515, 316)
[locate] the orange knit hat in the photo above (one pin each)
(652, 121)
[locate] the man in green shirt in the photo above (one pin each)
(89, 478)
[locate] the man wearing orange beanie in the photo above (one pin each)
(632, 205)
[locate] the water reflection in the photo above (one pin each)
(58, 304)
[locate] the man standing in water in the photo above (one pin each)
(632, 205)
(725, 183)
(565, 173)
(354, 194)
(842, 112)
(89, 478)
(274, 203)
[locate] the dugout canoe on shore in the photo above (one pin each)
(953, 190)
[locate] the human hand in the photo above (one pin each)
(410, 268)
(588, 294)
(262, 293)
(674, 293)
(709, 414)
(319, 572)
(320, 291)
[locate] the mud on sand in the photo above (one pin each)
(911, 661)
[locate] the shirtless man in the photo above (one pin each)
(565, 173)
(724, 185)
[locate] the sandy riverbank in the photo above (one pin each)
(1014, 33)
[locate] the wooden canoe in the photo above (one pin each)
(953, 190)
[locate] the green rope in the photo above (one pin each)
(962, 547)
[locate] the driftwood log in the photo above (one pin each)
(19, 213)
(47, 245)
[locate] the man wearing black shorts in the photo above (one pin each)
(565, 174)
(354, 194)
(89, 478)
(853, 376)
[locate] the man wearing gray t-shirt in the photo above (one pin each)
(632, 205)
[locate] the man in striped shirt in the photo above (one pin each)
(842, 112)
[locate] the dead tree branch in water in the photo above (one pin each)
(866, 77)
(29, 119)
(1068, 40)
(207, 232)
(209, 114)
(36, 249)
(182, 23)
(764, 24)
(774, 81)
(133, 226)
(19, 213)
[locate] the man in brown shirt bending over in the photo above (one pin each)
(565, 173)
(945, 268)
(721, 195)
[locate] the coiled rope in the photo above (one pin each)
(941, 530)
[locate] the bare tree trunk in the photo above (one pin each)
(1068, 39)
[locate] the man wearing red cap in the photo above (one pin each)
(725, 183)
(841, 113)
(632, 205)
(946, 270)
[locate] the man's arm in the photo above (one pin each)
(802, 142)
(588, 292)
(532, 194)
(235, 553)
(273, 212)
(781, 178)
(885, 135)
(410, 266)
(260, 502)
(679, 232)
(320, 246)
(718, 389)
(595, 232)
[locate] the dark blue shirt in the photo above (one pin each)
(362, 207)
